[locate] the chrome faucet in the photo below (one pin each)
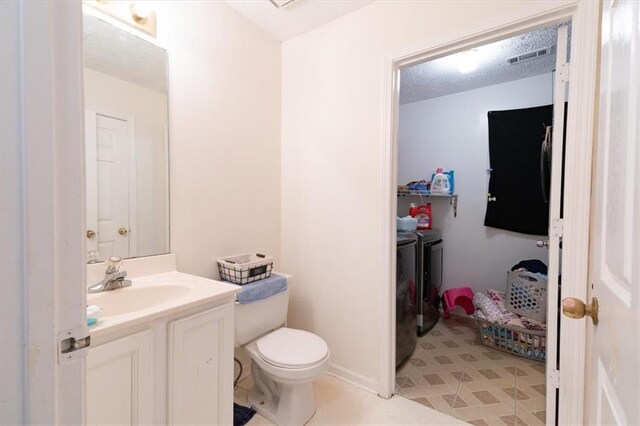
(113, 277)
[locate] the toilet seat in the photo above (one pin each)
(292, 349)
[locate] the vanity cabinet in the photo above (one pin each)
(200, 351)
(176, 369)
(120, 381)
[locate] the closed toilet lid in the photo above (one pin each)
(291, 348)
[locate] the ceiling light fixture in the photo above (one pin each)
(468, 61)
(281, 3)
(140, 11)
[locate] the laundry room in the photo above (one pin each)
(473, 175)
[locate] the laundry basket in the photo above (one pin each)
(245, 268)
(519, 341)
(527, 295)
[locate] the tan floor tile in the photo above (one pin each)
(438, 368)
(427, 391)
(531, 405)
(439, 404)
(455, 401)
(541, 389)
(532, 380)
(536, 391)
(515, 371)
(461, 376)
(541, 415)
(479, 385)
(527, 418)
(515, 394)
(482, 412)
(434, 379)
(478, 422)
(473, 396)
(400, 380)
(424, 401)
(489, 373)
(512, 420)
(497, 365)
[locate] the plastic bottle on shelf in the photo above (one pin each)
(413, 210)
(440, 184)
(423, 214)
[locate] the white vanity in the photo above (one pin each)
(162, 353)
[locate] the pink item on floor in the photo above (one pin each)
(460, 296)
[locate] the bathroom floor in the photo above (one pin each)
(452, 372)
(340, 403)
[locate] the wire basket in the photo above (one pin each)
(519, 341)
(245, 268)
(527, 295)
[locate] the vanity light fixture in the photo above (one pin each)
(468, 61)
(281, 3)
(140, 11)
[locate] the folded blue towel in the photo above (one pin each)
(262, 289)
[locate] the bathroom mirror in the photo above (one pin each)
(126, 137)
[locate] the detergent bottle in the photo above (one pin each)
(440, 184)
(423, 214)
(413, 209)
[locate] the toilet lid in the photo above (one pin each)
(291, 348)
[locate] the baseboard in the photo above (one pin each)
(353, 378)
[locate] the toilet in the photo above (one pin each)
(284, 361)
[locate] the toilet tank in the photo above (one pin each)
(255, 319)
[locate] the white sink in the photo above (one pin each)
(132, 299)
(154, 296)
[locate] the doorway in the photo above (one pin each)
(577, 178)
(478, 118)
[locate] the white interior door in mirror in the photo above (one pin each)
(109, 188)
(613, 369)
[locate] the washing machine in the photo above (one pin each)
(406, 296)
(429, 262)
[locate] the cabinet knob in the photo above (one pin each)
(91, 233)
(123, 231)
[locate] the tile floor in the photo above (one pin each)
(453, 373)
(340, 403)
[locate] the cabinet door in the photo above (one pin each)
(201, 368)
(120, 381)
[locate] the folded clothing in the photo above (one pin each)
(262, 289)
(492, 308)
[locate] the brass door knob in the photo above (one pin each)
(576, 309)
(123, 231)
(91, 233)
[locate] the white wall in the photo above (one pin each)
(148, 108)
(452, 132)
(224, 126)
(12, 315)
(332, 110)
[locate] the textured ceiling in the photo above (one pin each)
(298, 17)
(441, 77)
(118, 53)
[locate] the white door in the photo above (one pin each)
(613, 345)
(109, 148)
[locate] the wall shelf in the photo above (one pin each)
(453, 198)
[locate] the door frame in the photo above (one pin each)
(91, 138)
(585, 18)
